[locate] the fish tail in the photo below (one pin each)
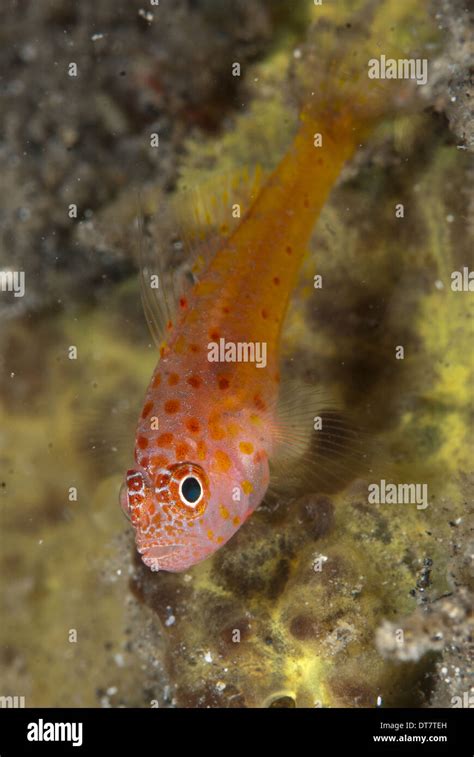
(340, 74)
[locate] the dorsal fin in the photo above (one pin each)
(208, 214)
(155, 296)
(178, 238)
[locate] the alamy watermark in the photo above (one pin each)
(462, 281)
(46, 731)
(400, 68)
(13, 281)
(12, 702)
(237, 352)
(466, 700)
(383, 493)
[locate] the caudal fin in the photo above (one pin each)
(364, 63)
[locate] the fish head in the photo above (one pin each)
(184, 512)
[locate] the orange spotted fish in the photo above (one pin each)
(211, 424)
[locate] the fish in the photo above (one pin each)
(215, 418)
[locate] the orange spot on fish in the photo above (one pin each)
(147, 409)
(164, 440)
(289, 250)
(142, 442)
(259, 456)
(222, 461)
(192, 424)
(246, 448)
(158, 461)
(223, 382)
(194, 348)
(182, 451)
(173, 379)
(217, 432)
(264, 313)
(214, 335)
(156, 381)
(276, 280)
(201, 450)
(236, 520)
(247, 487)
(224, 513)
(171, 406)
(183, 303)
(259, 403)
(161, 481)
(194, 381)
(233, 429)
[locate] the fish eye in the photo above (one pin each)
(190, 491)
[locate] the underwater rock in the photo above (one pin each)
(73, 138)
(453, 86)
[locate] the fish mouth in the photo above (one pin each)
(170, 557)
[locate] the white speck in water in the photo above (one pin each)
(146, 15)
(112, 690)
(208, 657)
(439, 284)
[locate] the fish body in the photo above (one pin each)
(209, 428)
(209, 424)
